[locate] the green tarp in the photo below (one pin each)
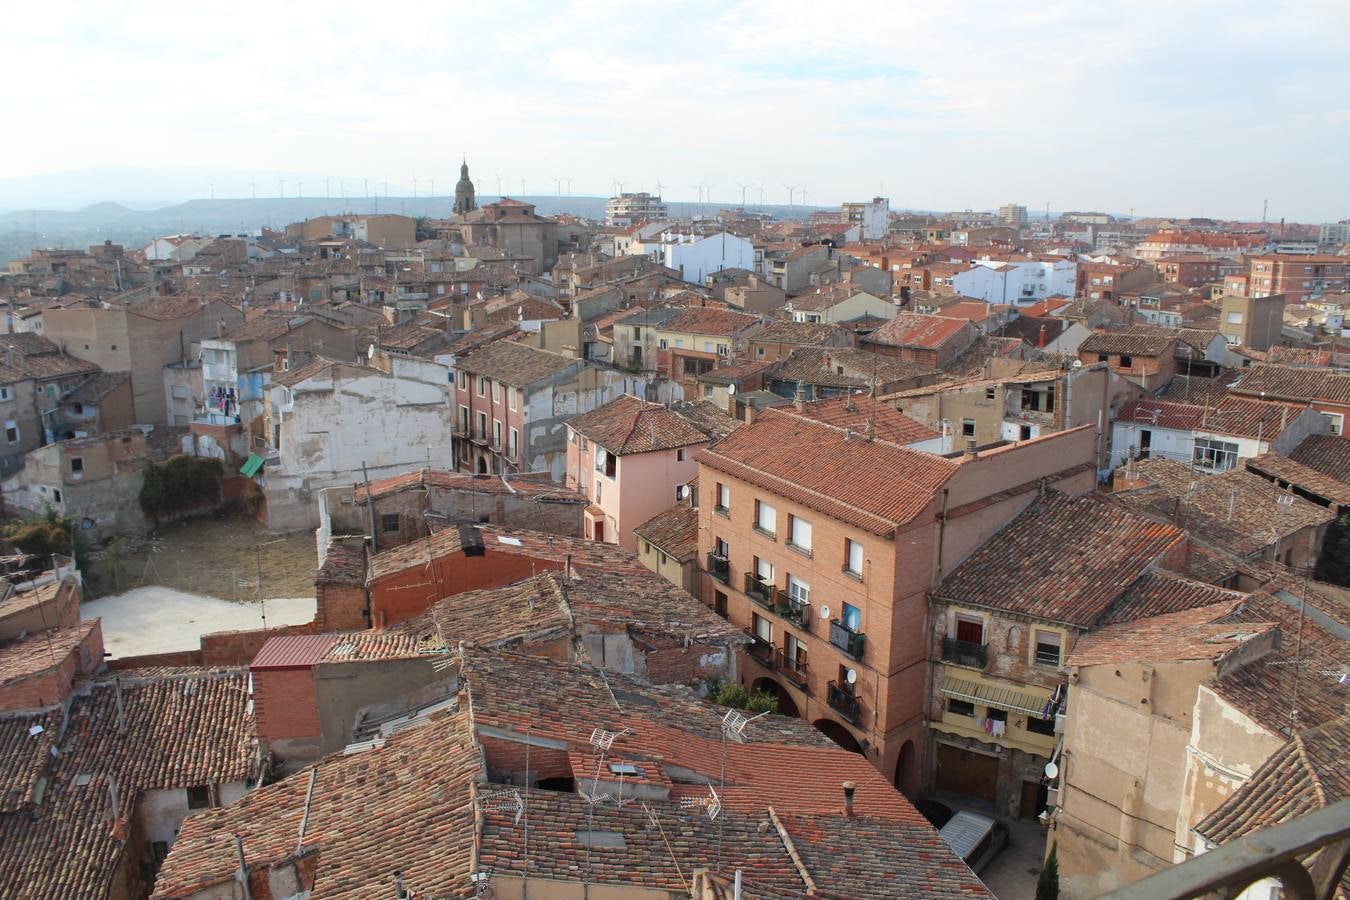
(251, 465)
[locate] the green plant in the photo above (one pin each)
(1333, 565)
(49, 533)
(1047, 885)
(183, 482)
(739, 697)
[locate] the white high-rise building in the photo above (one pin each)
(627, 209)
(1012, 214)
(872, 216)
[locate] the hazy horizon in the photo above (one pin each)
(1203, 108)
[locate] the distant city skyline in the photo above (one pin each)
(1205, 109)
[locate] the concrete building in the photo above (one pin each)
(328, 421)
(1297, 277)
(822, 544)
(629, 209)
(632, 459)
(838, 304)
(1252, 321)
(379, 229)
(94, 480)
(1326, 390)
(696, 256)
(1215, 244)
(872, 217)
(511, 402)
(1214, 436)
(512, 227)
(1335, 234)
(1016, 282)
(1012, 214)
(667, 543)
(1145, 354)
(140, 338)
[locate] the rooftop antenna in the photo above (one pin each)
(733, 726)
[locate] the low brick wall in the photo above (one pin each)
(237, 648)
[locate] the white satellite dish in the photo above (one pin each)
(731, 389)
(824, 612)
(1051, 770)
(851, 676)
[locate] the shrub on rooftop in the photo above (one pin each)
(182, 483)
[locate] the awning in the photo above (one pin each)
(997, 697)
(251, 465)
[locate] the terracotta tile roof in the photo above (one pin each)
(24, 756)
(44, 650)
(914, 330)
(1160, 592)
(628, 425)
(267, 327)
(515, 364)
(1028, 328)
(1209, 392)
(1310, 772)
(1327, 453)
(1276, 466)
(93, 389)
(1294, 383)
(1191, 634)
(707, 417)
(1064, 559)
(1132, 340)
(180, 731)
(862, 414)
(821, 366)
(1233, 510)
(409, 801)
(673, 531)
(1240, 416)
(874, 485)
(345, 563)
(529, 484)
(1264, 689)
(517, 615)
(709, 321)
(318, 366)
(784, 331)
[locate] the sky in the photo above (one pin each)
(1184, 107)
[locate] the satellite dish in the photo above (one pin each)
(851, 676)
(731, 389)
(1051, 770)
(824, 612)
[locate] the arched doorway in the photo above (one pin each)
(482, 466)
(786, 705)
(907, 770)
(839, 734)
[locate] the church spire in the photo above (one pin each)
(464, 201)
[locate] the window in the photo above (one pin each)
(679, 455)
(514, 446)
(199, 797)
(1103, 357)
(12, 432)
(463, 381)
(496, 392)
(961, 708)
(389, 522)
(77, 465)
(1212, 454)
(5, 394)
(766, 518)
(56, 495)
(723, 498)
(798, 590)
(1040, 726)
(853, 556)
(1336, 421)
(764, 570)
(800, 531)
(482, 426)
(763, 629)
(720, 603)
(512, 397)
(665, 345)
(496, 433)
(969, 629)
(1126, 362)
(990, 392)
(482, 386)
(851, 618)
(967, 427)
(1047, 648)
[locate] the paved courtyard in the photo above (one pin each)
(157, 619)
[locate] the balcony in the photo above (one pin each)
(759, 591)
(844, 702)
(719, 567)
(964, 653)
(479, 435)
(846, 639)
(763, 651)
(792, 609)
(793, 670)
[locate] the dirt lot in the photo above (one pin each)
(218, 557)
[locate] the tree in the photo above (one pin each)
(50, 533)
(1047, 885)
(737, 696)
(1333, 565)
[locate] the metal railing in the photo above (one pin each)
(792, 609)
(1307, 855)
(793, 670)
(964, 653)
(846, 639)
(719, 567)
(844, 702)
(761, 650)
(759, 591)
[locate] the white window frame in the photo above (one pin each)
(723, 497)
(482, 385)
(853, 548)
(799, 533)
(798, 589)
(767, 524)
(1036, 634)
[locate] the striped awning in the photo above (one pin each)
(989, 695)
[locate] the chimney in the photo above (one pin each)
(400, 891)
(1040, 338)
(972, 450)
(849, 788)
(799, 398)
(569, 567)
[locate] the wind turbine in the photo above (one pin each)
(414, 186)
(559, 182)
(659, 186)
(761, 197)
(616, 182)
(791, 189)
(522, 187)
(744, 188)
(499, 187)
(569, 186)
(803, 195)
